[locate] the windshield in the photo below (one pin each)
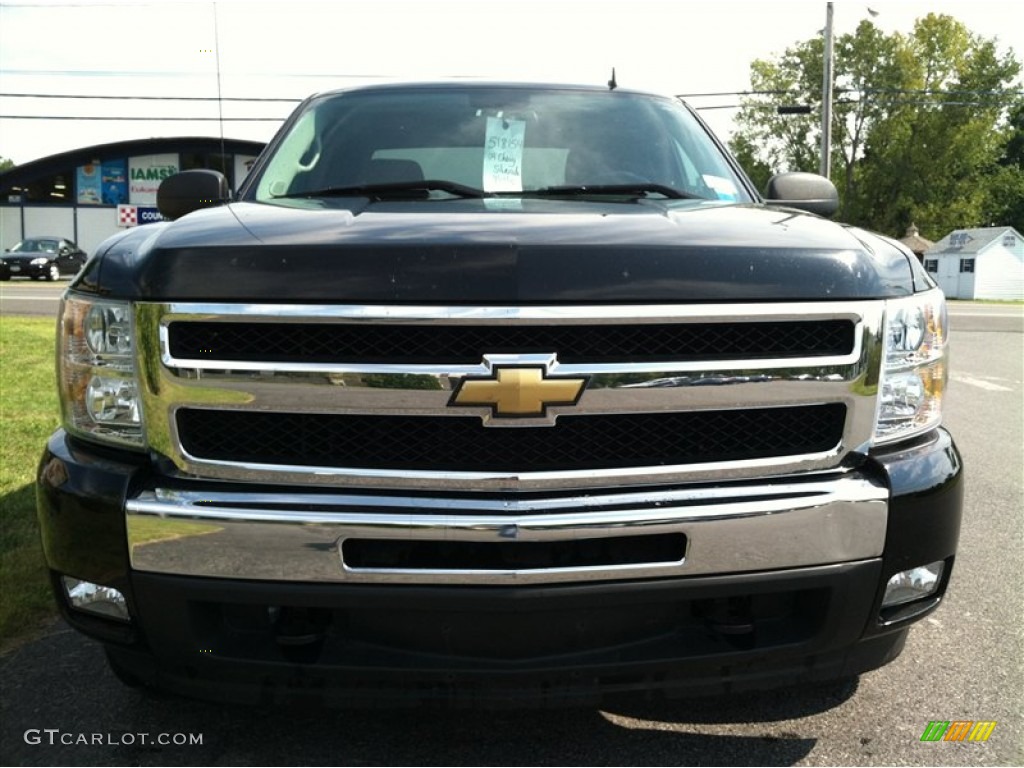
(35, 246)
(498, 141)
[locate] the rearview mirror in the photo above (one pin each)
(189, 191)
(804, 191)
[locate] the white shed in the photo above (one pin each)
(979, 264)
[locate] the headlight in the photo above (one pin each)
(913, 377)
(96, 371)
(39, 262)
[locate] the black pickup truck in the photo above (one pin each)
(498, 393)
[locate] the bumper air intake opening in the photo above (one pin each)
(430, 636)
(512, 555)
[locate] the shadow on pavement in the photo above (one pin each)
(59, 705)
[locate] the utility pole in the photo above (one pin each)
(826, 98)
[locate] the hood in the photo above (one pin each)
(502, 251)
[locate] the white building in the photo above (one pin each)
(88, 194)
(979, 264)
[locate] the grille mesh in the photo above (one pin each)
(462, 444)
(357, 343)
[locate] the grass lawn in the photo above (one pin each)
(28, 414)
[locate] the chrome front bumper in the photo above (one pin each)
(300, 537)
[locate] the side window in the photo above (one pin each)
(691, 176)
(931, 265)
(703, 181)
(966, 265)
(299, 153)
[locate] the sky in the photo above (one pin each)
(288, 49)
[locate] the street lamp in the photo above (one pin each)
(827, 80)
(826, 98)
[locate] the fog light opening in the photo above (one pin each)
(95, 599)
(913, 584)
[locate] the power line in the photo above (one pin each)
(144, 98)
(196, 74)
(936, 91)
(802, 92)
(867, 94)
(893, 103)
(179, 118)
(733, 93)
(908, 103)
(130, 117)
(83, 4)
(292, 100)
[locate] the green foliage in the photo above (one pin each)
(781, 142)
(747, 155)
(1005, 189)
(917, 126)
(5, 164)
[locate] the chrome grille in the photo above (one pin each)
(460, 344)
(439, 444)
(359, 396)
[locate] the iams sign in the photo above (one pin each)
(158, 173)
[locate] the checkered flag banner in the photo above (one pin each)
(127, 215)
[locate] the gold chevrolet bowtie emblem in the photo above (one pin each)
(519, 392)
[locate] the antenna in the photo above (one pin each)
(220, 100)
(612, 84)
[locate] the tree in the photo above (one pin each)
(766, 139)
(1005, 203)
(747, 155)
(869, 64)
(915, 123)
(5, 164)
(930, 164)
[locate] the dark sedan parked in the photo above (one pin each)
(42, 258)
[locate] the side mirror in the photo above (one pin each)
(189, 191)
(804, 191)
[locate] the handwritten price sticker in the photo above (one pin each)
(503, 155)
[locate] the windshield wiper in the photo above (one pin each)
(632, 189)
(393, 189)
